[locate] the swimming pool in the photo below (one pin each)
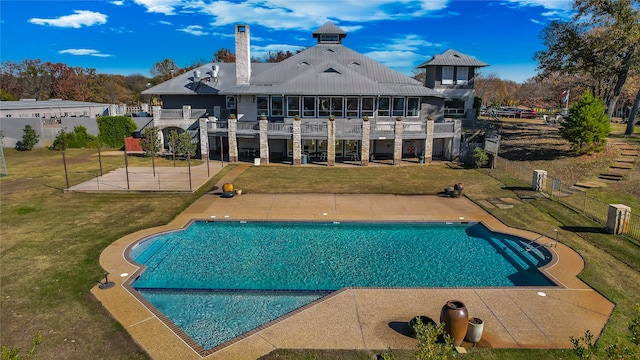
(218, 280)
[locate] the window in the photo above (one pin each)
(447, 75)
(329, 38)
(309, 105)
(262, 105)
(398, 106)
(330, 106)
(413, 107)
(462, 75)
(367, 106)
(383, 106)
(293, 106)
(324, 106)
(231, 102)
(242, 28)
(337, 108)
(277, 106)
(352, 107)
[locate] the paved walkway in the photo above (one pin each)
(367, 319)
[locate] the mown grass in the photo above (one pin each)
(51, 242)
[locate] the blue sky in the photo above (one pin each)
(129, 36)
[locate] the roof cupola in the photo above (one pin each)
(329, 33)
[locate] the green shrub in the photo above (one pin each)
(29, 139)
(113, 130)
(480, 157)
(79, 138)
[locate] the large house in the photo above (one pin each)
(327, 103)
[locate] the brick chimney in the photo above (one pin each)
(243, 55)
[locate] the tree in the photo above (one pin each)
(274, 57)
(164, 70)
(29, 139)
(150, 141)
(181, 144)
(587, 126)
(600, 43)
(224, 55)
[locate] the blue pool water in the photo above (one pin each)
(218, 280)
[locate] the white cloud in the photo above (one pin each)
(166, 7)
(78, 19)
(403, 61)
(84, 52)
(410, 42)
(262, 51)
(121, 30)
(565, 5)
(303, 15)
(194, 30)
(118, 2)
(536, 21)
(164, 22)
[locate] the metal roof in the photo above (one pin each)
(453, 58)
(329, 28)
(46, 104)
(323, 69)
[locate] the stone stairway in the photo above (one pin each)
(622, 164)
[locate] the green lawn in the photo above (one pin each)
(51, 242)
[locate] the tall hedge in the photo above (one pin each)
(113, 129)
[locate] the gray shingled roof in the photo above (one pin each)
(324, 69)
(453, 58)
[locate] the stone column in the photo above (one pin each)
(364, 146)
(618, 219)
(457, 139)
(204, 139)
(156, 114)
(397, 143)
(233, 141)
(539, 180)
(186, 112)
(428, 142)
(297, 143)
(331, 143)
(264, 142)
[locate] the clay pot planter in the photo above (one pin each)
(474, 331)
(227, 190)
(456, 320)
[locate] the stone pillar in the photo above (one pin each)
(233, 140)
(264, 142)
(428, 142)
(156, 114)
(364, 146)
(618, 219)
(297, 143)
(539, 181)
(331, 143)
(457, 139)
(397, 143)
(186, 112)
(204, 139)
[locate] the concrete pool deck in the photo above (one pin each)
(367, 319)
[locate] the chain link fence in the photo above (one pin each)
(568, 194)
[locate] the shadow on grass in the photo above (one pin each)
(585, 229)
